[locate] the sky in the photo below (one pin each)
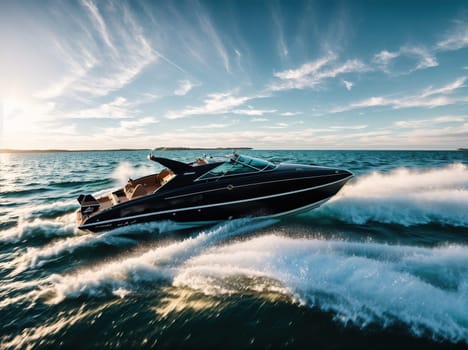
(263, 74)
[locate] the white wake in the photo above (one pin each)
(424, 288)
(406, 197)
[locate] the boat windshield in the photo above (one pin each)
(238, 164)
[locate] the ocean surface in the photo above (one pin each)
(383, 265)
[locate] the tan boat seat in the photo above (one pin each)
(137, 191)
(114, 198)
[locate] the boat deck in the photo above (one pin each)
(134, 189)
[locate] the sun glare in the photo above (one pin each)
(16, 122)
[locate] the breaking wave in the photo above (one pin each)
(39, 228)
(406, 197)
(361, 283)
(159, 263)
(37, 257)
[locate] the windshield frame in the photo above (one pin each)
(243, 161)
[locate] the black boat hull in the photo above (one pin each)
(224, 201)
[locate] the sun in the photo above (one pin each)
(15, 122)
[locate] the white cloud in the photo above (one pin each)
(118, 108)
(209, 30)
(314, 74)
(428, 98)
(447, 89)
(455, 39)
(213, 126)
(258, 120)
(423, 58)
(217, 103)
(370, 102)
(129, 124)
(98, 21)
(184, 87)
(79, 64)
(348, 85)
(278, 25)
(68, 129)
(290, 114)
(349, 127)
(130, 128)
(437, 138)
(384, 57)
(278, 126)
(417, 123)
(279, 137)
(306, 69)
(95, 69)
(450, 119)
(253, 112)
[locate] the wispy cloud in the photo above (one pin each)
(279, 136)
(78, 65)
(253, 112)
(259, 120)
(278, 26)
(116, 109)
(278, 126)
(217, 103)
(423, 58)
(437, 138)
(134, 54)
(98, 22)
(417, 123)
(188, 32)
(447, 89)
(313, 74)
(209, 30)
(442, 132)
(215, 125)
(455, 39)
(184, 87)
(384, 57)
(129, 128)
(348, 85)
(428, 98)
(92, 68)
(349, 127)
(306, 70)
(290, 114)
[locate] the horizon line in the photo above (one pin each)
(19, 150)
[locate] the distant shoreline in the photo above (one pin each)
(162, 149)
(15, 151)
(199, 149)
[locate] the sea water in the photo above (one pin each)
(384, 264)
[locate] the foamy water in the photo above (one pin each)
(152, 265)
(363, 283)
(406, 197)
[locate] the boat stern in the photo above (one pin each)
(88, 206)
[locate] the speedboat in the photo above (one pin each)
(208, 191)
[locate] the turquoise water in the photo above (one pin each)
(384, 264)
